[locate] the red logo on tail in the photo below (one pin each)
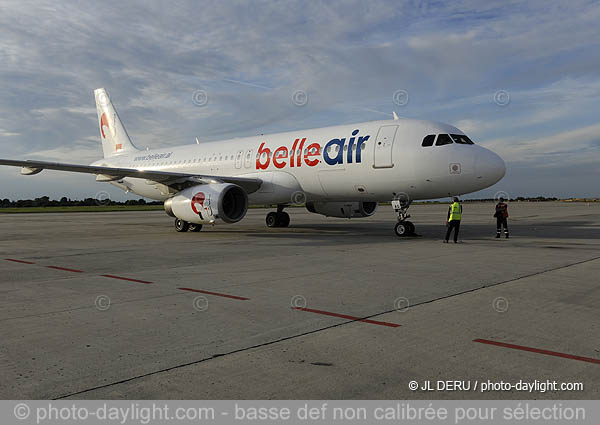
(104, 122)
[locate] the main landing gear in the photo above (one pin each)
(184, 226)
(279, 218)
(403, 227)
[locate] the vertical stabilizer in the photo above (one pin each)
(115, 140)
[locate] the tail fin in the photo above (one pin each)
(115, 140)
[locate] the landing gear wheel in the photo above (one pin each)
(278, 219)
(272, 219)
(181, 226)
(195, 227)
(284, 219)
(402, 228)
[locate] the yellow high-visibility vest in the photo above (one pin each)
(455, 211)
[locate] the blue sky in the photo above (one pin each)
(459, 62)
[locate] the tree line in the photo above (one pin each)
(45, 201)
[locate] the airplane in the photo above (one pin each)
(342, 171)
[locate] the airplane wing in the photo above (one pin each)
(174, 181)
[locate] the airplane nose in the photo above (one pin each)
(490, 167)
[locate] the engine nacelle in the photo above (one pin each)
(208, 203)
(343, 209)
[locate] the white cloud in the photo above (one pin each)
(571, 147)
(6, 133)
(80, 152)
(349, 56)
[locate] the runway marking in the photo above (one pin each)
(296, 336)
(345, 316)
(538, 350)
(235, 297)
(125, 278)
(19, 261)
(64, 269)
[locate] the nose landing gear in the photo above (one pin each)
(403, 227)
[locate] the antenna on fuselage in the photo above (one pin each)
(395, 115)
(197, 141)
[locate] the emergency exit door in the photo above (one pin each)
(239, 157)
(384, 144)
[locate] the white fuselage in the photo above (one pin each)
(376, 163)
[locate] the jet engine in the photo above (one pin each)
(209, 203)
(343, 209)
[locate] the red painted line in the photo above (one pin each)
(345, 316)
(235, 297)
(19, 261)
(64, 269)
(125, 278)
(538, 350)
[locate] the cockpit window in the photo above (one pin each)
(446, 139)
(443, 139)
(461, 139)
(428, 140)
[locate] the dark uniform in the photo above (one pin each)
(454, 217)
(501, 218)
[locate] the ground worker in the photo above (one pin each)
(453, 221)
(501, 215)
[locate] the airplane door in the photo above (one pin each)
(248, 160)
(239, 156)
(382, 158)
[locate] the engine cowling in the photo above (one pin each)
(209, 203)
(343, 209)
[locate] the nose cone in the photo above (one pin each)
(490, 167)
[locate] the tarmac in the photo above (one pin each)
(120, 306)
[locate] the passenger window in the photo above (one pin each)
(428, 140)
(443, 139)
